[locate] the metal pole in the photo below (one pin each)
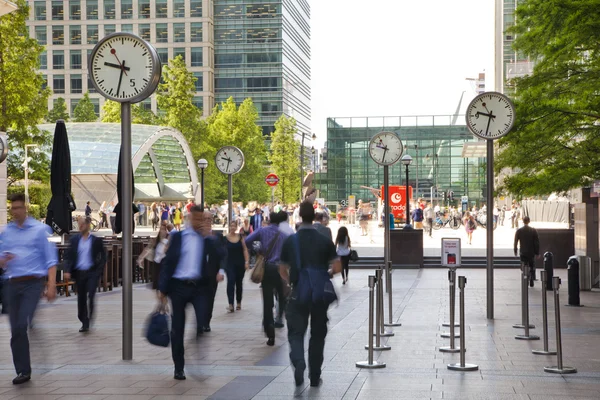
(202, 189)
(26, 178)
(390, 291)
(417, 177)
(407, 200)
(229, 200)
(452, 325)
(302, 166)
(463, 366)
(126, 212)
(370, 363)
(272, 196)
(380, 332)
(490, 230)
(559, 368)
(545, 352)
(386, 212)
(525, 304)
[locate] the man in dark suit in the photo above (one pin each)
(320, 227)
(219, 241)
(190, 265)
(530, 246)
(85, 260)
(256, 220)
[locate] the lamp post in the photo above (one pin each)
(407, 160)
(202, 164)
(27, 170)
(314, 137)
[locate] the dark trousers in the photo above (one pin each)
(429, 226)
(271, 283)
(113, 221)
(297, 323)
(87, 285)
(235, 279)
(345, 266)
(22, 299)
(181, 293)
(530, 261)
(212, 293)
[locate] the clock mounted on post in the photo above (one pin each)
(386, 148)
(229, 160)
(490, 115)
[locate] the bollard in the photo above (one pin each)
(573, 281)
(370, 363)
(462, 366)
(544, 279)
(549, 268)
(559, 368)
(524, 300)
(451, 335)
(390, 290)
(379, 308)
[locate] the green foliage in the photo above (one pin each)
(236, 126)
(111, 113)
(39, 198)
(84, 111)
(59, 111)
(556, 140)
(285, 159)
(39, 163)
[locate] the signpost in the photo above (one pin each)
(451, 252)
(272, 180)
(397, 200)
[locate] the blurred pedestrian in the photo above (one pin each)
(529, 248)
(88, 210)
(342, 241)
(470, 226)
(238, 262)
(428, 216)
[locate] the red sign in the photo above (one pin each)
(272, 180)
(397, 200)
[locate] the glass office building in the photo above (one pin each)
(441, 148)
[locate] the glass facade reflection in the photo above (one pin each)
(434, 142)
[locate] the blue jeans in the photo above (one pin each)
(22, 299)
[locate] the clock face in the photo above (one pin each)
(490, 115)
(229, 160)
(124, 68)
(386, 148)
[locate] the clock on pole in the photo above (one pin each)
(229, 160)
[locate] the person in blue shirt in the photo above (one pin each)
(27, 258)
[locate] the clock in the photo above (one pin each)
(124, 68)
(229, 160)
(490, 115)
(386, 148)
(3, 147)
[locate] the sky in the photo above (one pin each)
(397, 57)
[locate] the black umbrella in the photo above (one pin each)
(118, 211)
(62, 204)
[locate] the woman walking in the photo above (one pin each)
(238, 262)
(178, 217)
(160, 249)
(103, 217)
(342, 242)
(154, 216)
(470, 226)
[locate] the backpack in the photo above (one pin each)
(314, 285)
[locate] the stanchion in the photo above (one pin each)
(389, 289)
(525, 304)
(559, 368)
(462, 366)
(544, 352)
(379, 319)
(524, 300)
(452, 335)
(370, 363)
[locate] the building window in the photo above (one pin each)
(196, 57)
(75, 59)
(146, 104)
(162, 33)
(262, 84)
(196, 8)
(179, 33)
(228, 84)
(109, 9)
(228, 60)
(92, 34)
(108, 29)
(179, 8)
(58, 10)
(75, 10)
(41, 34)
(199, 83)
(126, 9)
(179, 51)
(127, 28)
(43, 59)
(76, 84)
(144, 9)
(74, 104)
(90, 86)
(145, 31)
(161, 9)
(91, 9)
(197, 101)
(96, 103)
(163, 54)
(58, 35)
(39, 10)
(75, 34)
(58, 84)
(58, 59)
(196, 32)
(44, 81)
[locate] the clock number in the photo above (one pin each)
(132, 82)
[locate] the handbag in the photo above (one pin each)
(314, 285)
(353, 255)
(157, 330)
(258, 272)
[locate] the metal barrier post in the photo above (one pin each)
(389, 290)
(544, 352)
(524, 301)
(462, 366)
(379, 318)
(560, 368)
(452, 334)
(370, 363)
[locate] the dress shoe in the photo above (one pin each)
(278, 324)
(316, 382)
(179, 375)
(271, 342)
(299, 376)
(21, 378)
(84, 329)
(207, 328)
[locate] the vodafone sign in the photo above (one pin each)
(397, 200)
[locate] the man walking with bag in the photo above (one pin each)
(530, 246)
(306, 258)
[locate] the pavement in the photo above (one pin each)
(234, 363)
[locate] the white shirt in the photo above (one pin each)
(192, 251)
(285, 228)
(159, 250)
(428, 213)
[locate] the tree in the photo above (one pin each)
(555, 143)
(59, 111)
(236, 126)
(111, 112)
(285, 159)
(84, 111)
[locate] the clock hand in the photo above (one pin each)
(488, 125)
(116, 66)
(385, 149)
(121, 64)
(120, 79)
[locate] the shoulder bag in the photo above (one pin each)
(157, 329)
(258, 272)
(314, 285)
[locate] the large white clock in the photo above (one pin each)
(386, 148)
(490, 115)
(124, 68)
(229, 160)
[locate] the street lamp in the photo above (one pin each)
(202, 164)
(27, 169)
(407, 160)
